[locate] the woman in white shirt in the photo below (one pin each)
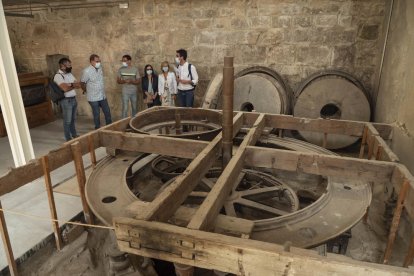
(167, 85)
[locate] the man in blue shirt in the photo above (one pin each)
(93, 83)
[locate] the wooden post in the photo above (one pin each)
(325, 140)
(396, 220)
(80, 173)
(6, 243)
(410, 255)
(91, 145)
(51, 199)
(378, 156)
(363, 143)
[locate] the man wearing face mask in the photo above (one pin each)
(187, 79)
(67, 83)
(128, 76)
(93, 83)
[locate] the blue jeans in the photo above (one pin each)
(96, 112)
(126, 98)
(185, 98)
(69, 106)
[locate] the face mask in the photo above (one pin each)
(124, 64)
(165, 69)
(68, 69)
(149, 72)
(97, 65)
(177, 60)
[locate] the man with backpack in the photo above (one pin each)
(67, 83)
(187, 79)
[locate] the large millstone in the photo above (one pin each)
(256, 88)
(332, 95)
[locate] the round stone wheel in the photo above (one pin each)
(256, 93)
(255, 88)
(332, 95)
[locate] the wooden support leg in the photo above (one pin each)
(363, 142)
(80, 173)
(396, 221)
(51, 199)
(371, 142)
(410, 255)
(7, 245)
(325, 140)
(91, 145)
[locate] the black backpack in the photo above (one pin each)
(55, 92)
(191, 75)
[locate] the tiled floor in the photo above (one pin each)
(25, 231)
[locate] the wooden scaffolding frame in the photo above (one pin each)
(149, 234)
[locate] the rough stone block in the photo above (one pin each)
(318, 7)
(345, 21)
(326, 20)
(203, 23)
(303, 21)
(239, 23)
(146, 44)
(282, 21)
(313, 55)
(344, 56)
(275, 8)
(368, 32)
(260, 22)
(162, 9)
(270, 37)
(251, 54)
(280, 55)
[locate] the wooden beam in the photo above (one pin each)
(6, 243)
(396, 221)
(168, 201)
(80, 173)
(51, 199)
(345, 127)
(92, 150)
(223, 224)
(233, 255)
(327, 165)
(363, 143)
(170, 146)
(210, 208)
(17, 177)
(120, 125)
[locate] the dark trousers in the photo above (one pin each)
(96, 112)
(185, 98)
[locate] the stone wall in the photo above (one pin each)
(294, 37)
(395, 96)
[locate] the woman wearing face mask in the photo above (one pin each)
(150, 87)
(167, 85)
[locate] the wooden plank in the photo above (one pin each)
(51, 200)
(400, 174)
(233, 255)
(387, 153)
(168, 201)
(152, 144)
(120, 125)
(223, 224)
(363, 143)
(80, 173)
(345, 127)
(318, 164)
(212, 204)
(396, 221)
(6, 243)
(92, 150)
(408, 260)
(238, 121)
(17, 177)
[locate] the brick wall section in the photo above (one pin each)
(294, 37)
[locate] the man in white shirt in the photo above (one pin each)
(67, 83)
(187, 79)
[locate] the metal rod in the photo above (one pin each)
(6, 243)
(396, 220)
(51, 199)
(80, 173)
(228, 91)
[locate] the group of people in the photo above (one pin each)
(174, 85)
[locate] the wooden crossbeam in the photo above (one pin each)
(163, 145)
(233, 255)
(210, 208)
(17, 177)
(327, 165)
(345, 127)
